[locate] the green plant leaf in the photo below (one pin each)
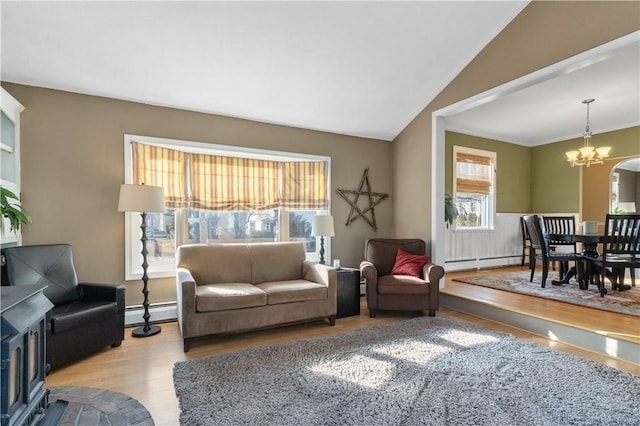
(12, 211)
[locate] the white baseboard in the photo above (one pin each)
(162, 313)
(474, 264)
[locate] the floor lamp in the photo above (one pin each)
(143, 199)
(323, 227)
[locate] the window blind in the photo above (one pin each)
(473, 174)
(213, 182)
(164, 167)
(304, 185)
(230, 183)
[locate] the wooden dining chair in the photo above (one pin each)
(620, 251)
(565, 225)
(526, 242)
(540, 249)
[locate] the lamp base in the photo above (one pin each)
(140, 332)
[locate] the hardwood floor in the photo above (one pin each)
(142, 367)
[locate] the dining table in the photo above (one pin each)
(589, 249)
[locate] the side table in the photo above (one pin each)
(348, 292)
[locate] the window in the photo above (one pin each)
(474, 187)
(216, 193)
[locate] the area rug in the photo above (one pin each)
(625, 302)
(423, 371)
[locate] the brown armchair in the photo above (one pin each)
(85, 318)
(398, 292)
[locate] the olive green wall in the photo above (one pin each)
(543, 34)
(513, 174)
(539, 179)
(556, 187)
(73, 165)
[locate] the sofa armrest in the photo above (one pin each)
(185, 298)
(369, 272)
(432, 273)
(103, 293)
(323, 274)
(315, 272)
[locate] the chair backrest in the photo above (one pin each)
(51, 265)
(560, 225)
(534, 229)
(622, 234)
(382, 251)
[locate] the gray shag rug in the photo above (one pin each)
(422, 371)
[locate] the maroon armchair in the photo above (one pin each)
(419, 292)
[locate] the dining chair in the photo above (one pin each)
(526, 242)
(620, 251)
(560, 225)
(540, 249)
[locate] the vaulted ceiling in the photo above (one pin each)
(355, 68)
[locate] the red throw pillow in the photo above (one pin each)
(409, 264)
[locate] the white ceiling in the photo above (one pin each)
(550, 108)
(355, 68)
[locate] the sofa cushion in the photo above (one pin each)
(276, 261)
(222, 297)
(216, 263)
(402, 284)
(293, 291)
(78, 314)
(408, 264)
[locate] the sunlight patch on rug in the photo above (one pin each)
(466, 339)
(414, 351)
(375, 374)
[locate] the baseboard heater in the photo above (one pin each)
(481, 263)
(164, 312)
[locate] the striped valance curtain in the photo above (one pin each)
(220, 183)
(473, 174)
(156, 166)
(230, 183)
(304, 185)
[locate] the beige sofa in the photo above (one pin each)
(225, 288)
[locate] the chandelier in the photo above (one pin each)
(588, 155)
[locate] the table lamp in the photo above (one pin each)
(143, 199)
(323, 227)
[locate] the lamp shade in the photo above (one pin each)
(141, 198)
(323, 226)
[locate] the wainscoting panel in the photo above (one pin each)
(502, 246)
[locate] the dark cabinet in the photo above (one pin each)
(348, 292)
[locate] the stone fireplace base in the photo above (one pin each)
(90, 406)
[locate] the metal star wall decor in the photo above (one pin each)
(374, 199)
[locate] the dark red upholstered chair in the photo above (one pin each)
(398, 292)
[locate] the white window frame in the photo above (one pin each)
(133, 245)
(491, 205)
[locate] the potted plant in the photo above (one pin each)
(10, 208)
(450, 210)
